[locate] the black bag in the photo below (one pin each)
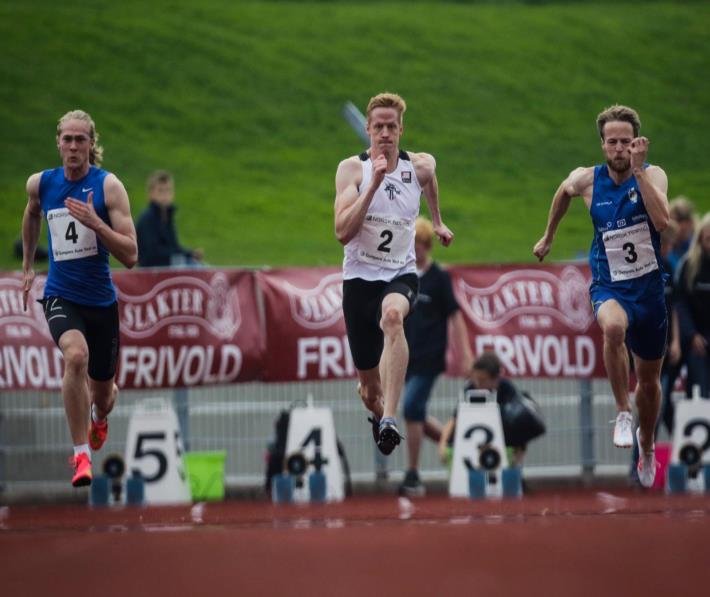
(521, 418)
(276, 454)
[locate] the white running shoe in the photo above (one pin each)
(622, 430)
(647, 464)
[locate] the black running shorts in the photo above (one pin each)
(99, 325)
(362, 304)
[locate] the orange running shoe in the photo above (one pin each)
(82, 470)
(98, 432)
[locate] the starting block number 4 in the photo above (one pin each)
(154, 451)
(691, 438)
(478, 444)
(311, 434)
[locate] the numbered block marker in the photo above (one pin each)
(478, 446)
(691, 441)
(154, 452)
(311, 437)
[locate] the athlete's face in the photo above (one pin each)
(617, 145)
(385, 129)
(75, 143)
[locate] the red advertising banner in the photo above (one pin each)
(179, 328)
(538, 319)
(305, 329)
(182, 328)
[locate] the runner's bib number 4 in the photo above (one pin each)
(630, 252)
(70, 238)
(385, 240)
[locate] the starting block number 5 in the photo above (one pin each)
(152, 445)
(154, 451)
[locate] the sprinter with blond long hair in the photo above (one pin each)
(88, 218)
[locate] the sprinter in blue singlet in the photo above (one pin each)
(88, 217)
(626, 198)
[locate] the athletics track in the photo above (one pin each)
(566, 543)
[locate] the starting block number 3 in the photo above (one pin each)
(478, 444)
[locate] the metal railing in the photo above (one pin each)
(239, 419)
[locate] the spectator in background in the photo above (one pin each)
(426, 332)
(158, 244)
(693, 287)
(682, 211)
(672, 361)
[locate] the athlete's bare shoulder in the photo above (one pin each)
(33, 185)
(579, 182)
(349, 172)
(115, 194)
(424, 166)
(658, 177)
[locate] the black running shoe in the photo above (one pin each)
(389, 436)
(375, 427)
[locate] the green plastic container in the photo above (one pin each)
(206, 473)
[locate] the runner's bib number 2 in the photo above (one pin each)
(630, 252)
(70, 238)
(385, 240)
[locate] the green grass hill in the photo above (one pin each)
(242, 101)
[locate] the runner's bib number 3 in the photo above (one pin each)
(385, 240)
(630, 252)
(70, 238)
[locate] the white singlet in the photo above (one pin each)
(383, 249)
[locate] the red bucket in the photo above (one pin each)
(663, 459)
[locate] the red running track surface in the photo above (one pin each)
(553, 543)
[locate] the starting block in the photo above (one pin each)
(108, 489)
(479, 457)
(689, 469)
(312, 459)
(154, 452)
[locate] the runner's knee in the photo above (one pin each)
(614, 333)
(649, 387)
(76, 358)
(391, 320)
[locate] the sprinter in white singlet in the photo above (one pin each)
(376, 204)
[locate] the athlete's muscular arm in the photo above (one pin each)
(425, 168)
(578, 183)
(653, 184)
(31, 227)
(350, 206)
(120, 237)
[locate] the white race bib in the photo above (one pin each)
(70, 238)
(630, 252)
(385, 240)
